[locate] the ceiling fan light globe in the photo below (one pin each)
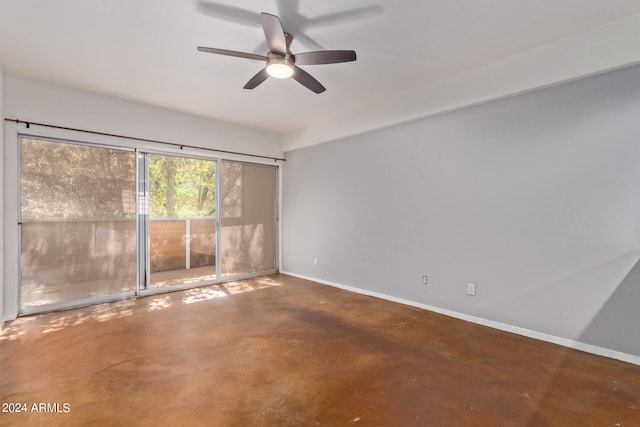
(280, 66)
(280, 71)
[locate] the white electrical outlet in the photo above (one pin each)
(424, 280)
(471, 289)
(315, 262)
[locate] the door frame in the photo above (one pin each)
(13, 132)
(143, 223)
(61, 305)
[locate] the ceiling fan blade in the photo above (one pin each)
(257, 79)
(262, 47)
(229, 13)
(232, 53)
(274, 33)
(346, 16)
(325, 57)
(308, 41)
(307, 80)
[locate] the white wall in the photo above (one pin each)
(534, 198)
(35, 101)
(41, 102)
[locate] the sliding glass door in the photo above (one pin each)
(181, 222)
(86, 237)
(248, 235)
(78, 230)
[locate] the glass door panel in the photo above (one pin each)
(78, 230)
(182, 225)
(248, 234)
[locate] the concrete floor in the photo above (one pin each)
(280, 351)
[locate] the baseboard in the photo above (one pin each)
(576, 345)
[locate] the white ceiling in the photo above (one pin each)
(414, 57)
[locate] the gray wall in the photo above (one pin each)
(535, 198)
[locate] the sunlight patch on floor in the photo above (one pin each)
(47, 323)
(159, 303)
(192, 296)
(243, 286)
(64, 319)
(115, 310)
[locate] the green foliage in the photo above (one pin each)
(182, 187)
(70, 181)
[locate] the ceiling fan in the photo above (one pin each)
(280, 62)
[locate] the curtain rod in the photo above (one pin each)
(28, 124)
